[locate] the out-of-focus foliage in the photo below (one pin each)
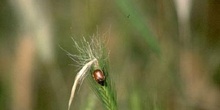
(156, 62)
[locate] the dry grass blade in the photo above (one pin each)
(78, 79)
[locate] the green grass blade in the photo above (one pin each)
(127, 7)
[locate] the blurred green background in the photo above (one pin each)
(164, 54)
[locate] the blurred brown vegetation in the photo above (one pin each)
(35, 74)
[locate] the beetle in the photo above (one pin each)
(99, 76)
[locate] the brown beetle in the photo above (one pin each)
(99, 76)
